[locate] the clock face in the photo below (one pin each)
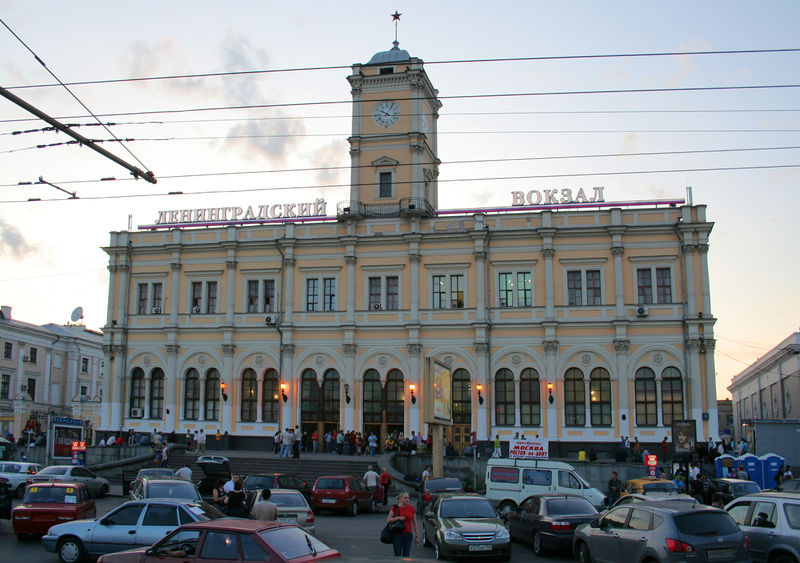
(386, 114)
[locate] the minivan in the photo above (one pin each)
(510, 481)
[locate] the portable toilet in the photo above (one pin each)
(724, 464)
(752, 465)
(770, 465)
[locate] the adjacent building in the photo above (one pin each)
(561, 315)
(48, 371)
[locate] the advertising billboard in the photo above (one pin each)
(438, 392)
(684, 436)
(64, 432)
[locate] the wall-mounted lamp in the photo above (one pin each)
(283, 392)
(479, 387)
(550, 398)
(412, 388)
(347, 393)
(223, 387)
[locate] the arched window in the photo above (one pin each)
(271, 399)
(462, 399)
(600, 397)
(331, 400)
(373, 397)
(212, 392)
(574, 398)
(137, 390)
(249, 395)
(504, 408)
(645, 391)
(191, 395)
(157, 393)
(671, 396)
(310, 404)
(530, 398)
(394, 397)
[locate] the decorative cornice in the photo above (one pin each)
(175, 266)
(108, 350)
(689, 248)
(550, 346)
(622, 346)
(481, 348)
(112, 268)
(414, 349)
(173, 350)
(289, 262)
(548, 252)
(354, 151)
(231, 264)
(350, 259)
(228, 349)
(702, 248)
(414, 258)
(617, 250)
(288, 350)
(693, 345)
(350, 350)
(123, 267)
(708, 343)
(480, 255)
(118, 349)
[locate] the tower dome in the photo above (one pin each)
(393, 55)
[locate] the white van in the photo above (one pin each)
(510, 481)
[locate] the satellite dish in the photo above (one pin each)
(77, 314)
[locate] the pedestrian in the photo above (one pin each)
(386, 482)
(237, 505)
(614, 488)
(718, 500)
(286, 442)
(265, 509)
(298, 441)
(164, 456)
(497, 452)
(373, 443)
(219, 496)
(787, 473)
(201, 443)
(427, 474)
(779, 477)
(372, 478)
(314, 442)
(339, 442)
(189, 441)
(403, 512)
(276, 442)
(184, 473)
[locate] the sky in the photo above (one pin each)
(737, 146)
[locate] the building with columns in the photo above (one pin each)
(579, 323)
(48, 370)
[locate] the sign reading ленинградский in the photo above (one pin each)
(254, 213)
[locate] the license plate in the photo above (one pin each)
(480, 548)
(328, 500)
(721, 553)
(287, 519)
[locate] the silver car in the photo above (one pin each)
(18, 473)
(771, 521)
(171, 488)
(661, 532)
(98, 486)
(133, 524)
(292, 508)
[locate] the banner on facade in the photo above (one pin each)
(684, 436)
(438, 396)
(528, 449)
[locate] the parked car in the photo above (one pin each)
(133, 524)
(657, 495)
(98, 486)
(548, 522)
(465, 525)
(659, 532)
(293, 508)
(260, 481)
(432, 488)
(789, 485)
(213, 467)
(47, 504)
(18, 473)
(150, 472)
(771, 521)
(231, 540)
(171, 487)
(647, 485)
(342, 492)
(734, 488)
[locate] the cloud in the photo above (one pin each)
(330, 156)
(13, 243)
(146, 59)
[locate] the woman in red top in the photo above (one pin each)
(403, 512)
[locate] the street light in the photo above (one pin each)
(283, 392)
(550, 386)
(479, 387)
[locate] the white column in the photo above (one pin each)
(48, 365)
(19, 376)
(350, 313)
(227, 375)
(414, 365)
(350, 351)
(622, 348)
(230, 305)
(73, 359)
(287, 377)
(175, 286)
(695, 393)
(711, 390)
(619, 285)
(413, 258)
(260, 394)
(550, 355)
(483, 427)
(172, 388)
(517, 417)
(691, 296)
(549, 299)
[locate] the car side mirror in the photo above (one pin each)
(594, 523)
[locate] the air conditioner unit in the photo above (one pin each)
(156, 310)
(137, 413)
(270, 319)
(375, 307)
(195, 309)
(641, 311)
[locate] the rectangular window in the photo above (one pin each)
(312, 294)
(375, 293)
(32, 389)
(157, 295)
(211, 297)
(5, 386)
(584, 287)
(664, 285)
(269, 296)
(252, 296)
(439, 292)
(593, 293)
(84, 365)
(574, 288)
(644, 281)
(506, 285)
(142, 306)
(33, 355)
(385, 189)
(84, 390)
(448, 291)
(524, 289)
(392, 293)
(329, 294)
(8, 350)
(456, 292)
(515, 289)
(197, 296)
(661, 292)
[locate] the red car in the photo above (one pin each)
(47, 504)
(342, 492)
(230, 541)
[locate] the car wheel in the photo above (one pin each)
(506, 507)
(583, 554)
(103, 491)
(437, 552)
(71, 550)
(20, 492)
(538, 548)
(353, 510)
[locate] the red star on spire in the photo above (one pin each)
(396, 16)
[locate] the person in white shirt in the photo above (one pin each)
(371, 477)
(427, 474)
(111, 440)
(184, 473)
(231, 484)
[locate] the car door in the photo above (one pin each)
(116, 531)
(359, 491)
(158, 521)
(604, 541)
(429, 520)
(635, 536)
(568, 484)
(86, 505)
(81, 475)
(530, 519)
(760, 526)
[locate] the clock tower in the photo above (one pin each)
(393, 147)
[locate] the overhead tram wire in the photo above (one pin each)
(441, 181)
(448, 163)
(444, 62)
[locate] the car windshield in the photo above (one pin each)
(327, 483)
(291, 542)
(257, 482)
(172, 490)
(467, 508)
(11, 468)
(569, 506)
(706, 524)
(39, 495)
(745, 488)
(155, 472)
(664, 487)
(204, 511)
(55, 470)
(439, 485)
(288, 499)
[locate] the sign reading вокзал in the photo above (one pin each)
(528, 449)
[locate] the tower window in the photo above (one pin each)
(385, 188)
(386, 70)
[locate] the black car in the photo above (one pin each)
(548, 522)
(214, 467)
(254, 484)
(5, 499)
(733, 488)
(432, 488)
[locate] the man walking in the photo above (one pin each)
(286, 442)
(614, 488)
(201, 443)
(371, 477)
(298, 442)
(373, 443)
(265, 509)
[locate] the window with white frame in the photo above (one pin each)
(5, 386)
(654, 284)
(384, 292)
(515, 288)
(260, 296)
(149, 298)
(8, 350)
(320, 294)
(584, 285)
(385, 177)
(33, 355)
(385, 184)
(84, 365)
(203, 296)
(448, 291)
